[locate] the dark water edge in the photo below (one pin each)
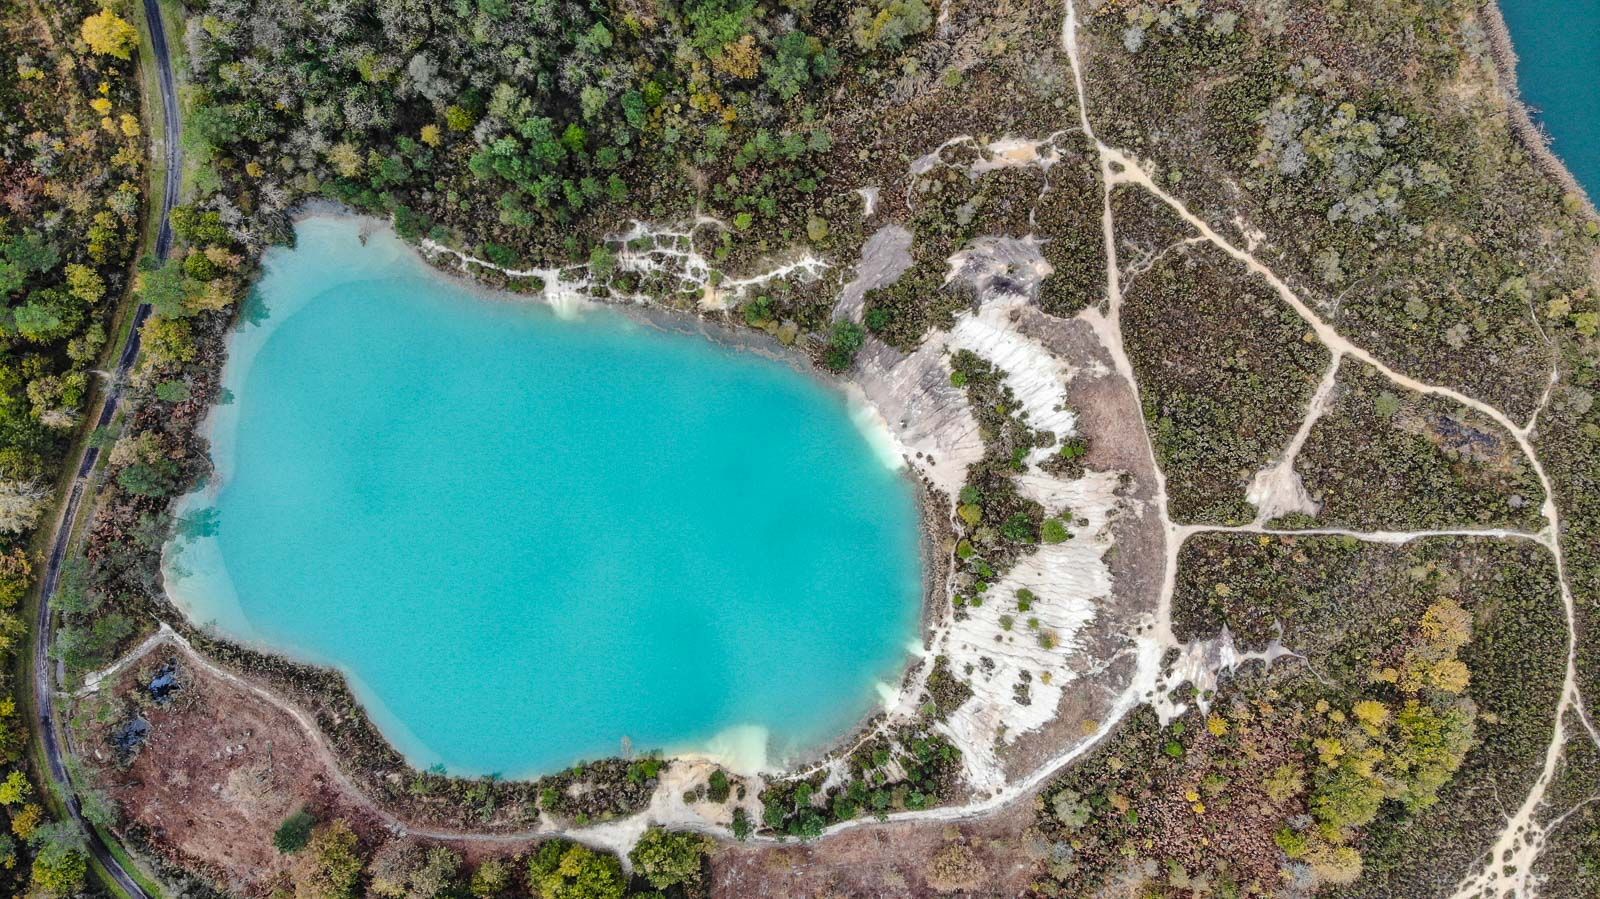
(1557, 48)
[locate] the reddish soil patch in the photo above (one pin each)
(880, 860)
(220, 771)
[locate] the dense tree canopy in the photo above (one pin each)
(507, 120)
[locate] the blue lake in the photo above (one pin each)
(526, 538)
(1558, 70)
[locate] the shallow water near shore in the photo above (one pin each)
(526, 538)
(1558, 67)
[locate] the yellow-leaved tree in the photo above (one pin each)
(108, 34)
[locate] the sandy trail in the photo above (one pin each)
(1277, 489)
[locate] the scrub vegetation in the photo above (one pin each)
(997, 523)
(909, 768)
(1425, 685)
(1386, 458)
(335, 863)
(1395, 197)
(1225, 370)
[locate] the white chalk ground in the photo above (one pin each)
(884, 258)
(926, 416)
(645, 250)
(1068, 580)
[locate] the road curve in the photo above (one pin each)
(43, 682)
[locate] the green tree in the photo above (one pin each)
(165, 288)
(15, 788)
(565, 870)
(1431, 746)
(491, 879)
(168, 340)
(330, 867)
(156, 478)
(84, 283)
(717, 786)
(60, 867)
(888, 24)
(844, 342)
(667, 858)
(172, 391)
(437, 875)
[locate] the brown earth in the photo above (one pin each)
(221, 769)
(882, 860)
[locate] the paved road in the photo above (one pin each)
(43, 682)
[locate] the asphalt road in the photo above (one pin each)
(43, 681)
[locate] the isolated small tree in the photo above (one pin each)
(21, 502)
(331, 866)
(955, 868)
(717, 786)
(295, 831)
(491, 879)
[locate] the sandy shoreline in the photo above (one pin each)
(1524, 125)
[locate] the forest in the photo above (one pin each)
(520, 129)
(72, 207)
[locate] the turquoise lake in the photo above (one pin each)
(526, 537)
(1558, 68)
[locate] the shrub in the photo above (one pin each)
(331, 866)
(717, 786)
(295, 831)
(1054, 530)
(844, 343)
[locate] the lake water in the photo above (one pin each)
(526, 537)
(1558, 68)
